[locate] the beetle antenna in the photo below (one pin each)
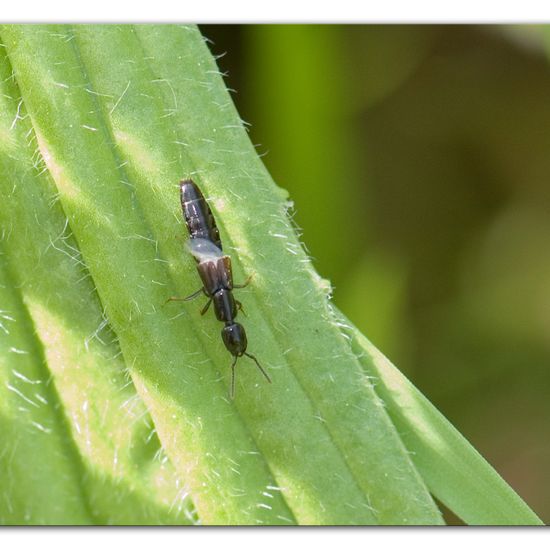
(259, 366)
(232, 390)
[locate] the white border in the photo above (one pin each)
(281, 11)
(265, 538)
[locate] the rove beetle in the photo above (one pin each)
(214, 268)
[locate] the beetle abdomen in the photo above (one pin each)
(198, 216)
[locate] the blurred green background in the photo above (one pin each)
(418, 160)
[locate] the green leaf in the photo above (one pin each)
(453, 470)
(73, 423)
(118, 115)
(35, 446)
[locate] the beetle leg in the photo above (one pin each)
(194, 295)
(187, 298)
(246, 283)
(205, 308)
(240, 307)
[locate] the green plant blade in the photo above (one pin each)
(453, 470)
(121, 114)
(34, 445)
(122, 473)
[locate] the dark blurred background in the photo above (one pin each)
(418, 159)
